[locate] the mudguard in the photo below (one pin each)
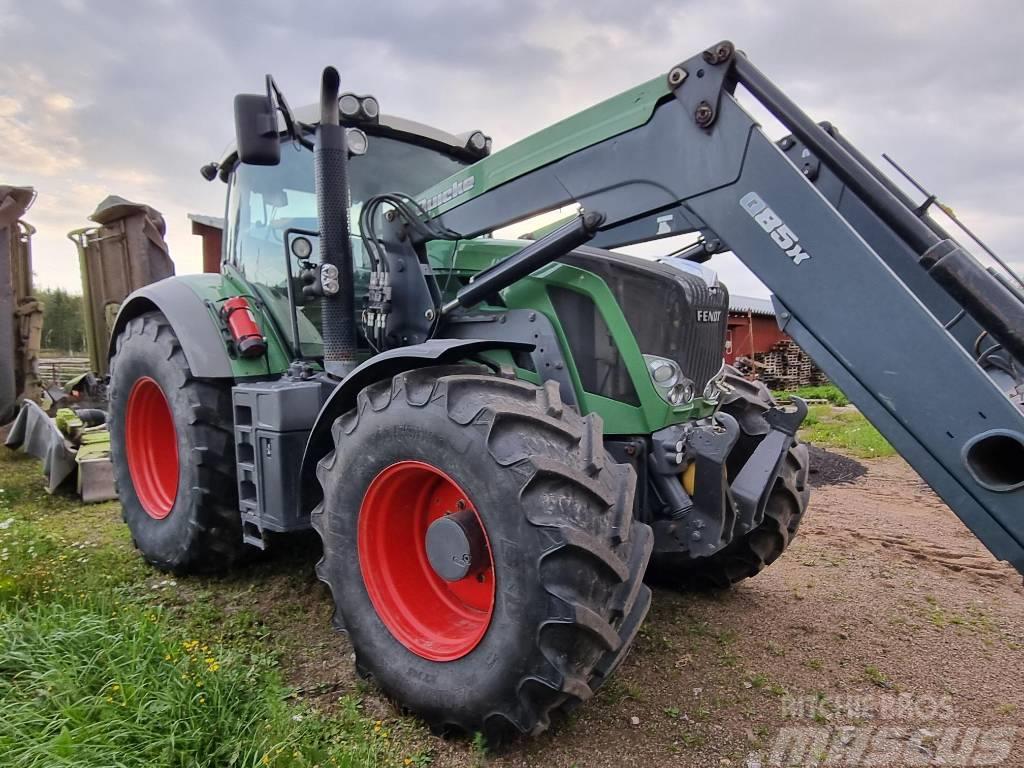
(382, 366)
(188, 314)
(191, 304)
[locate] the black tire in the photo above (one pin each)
(747, 555)
(202, 530)
(568, 556)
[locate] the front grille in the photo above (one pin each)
(665, 309)
(598, 360)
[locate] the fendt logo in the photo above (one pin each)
(450, 193)
(770, 222)
(709, 315)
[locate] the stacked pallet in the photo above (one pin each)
(786, 367)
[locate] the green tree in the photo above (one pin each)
(63, 328)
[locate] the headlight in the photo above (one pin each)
(371, 108)
(301, 248)
(668, 379)
(356, 140)
(664, 372)
(682, 393)
(348, 105)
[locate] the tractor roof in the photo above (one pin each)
(390, 125)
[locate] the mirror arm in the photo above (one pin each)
(293, 128)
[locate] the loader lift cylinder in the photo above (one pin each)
(981, 294)
(529, 259)
(330, 163)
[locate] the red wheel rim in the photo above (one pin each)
(151, 444)
(435, 619)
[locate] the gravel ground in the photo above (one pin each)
(885, 617)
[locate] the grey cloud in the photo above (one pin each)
(937, 85)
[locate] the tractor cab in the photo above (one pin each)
(271, 213)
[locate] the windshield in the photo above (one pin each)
(264, 201)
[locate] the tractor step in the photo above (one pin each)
(252, 531)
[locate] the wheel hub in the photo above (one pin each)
(455, 546)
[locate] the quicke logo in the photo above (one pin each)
(447, 194)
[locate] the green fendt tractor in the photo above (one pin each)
(496, 440)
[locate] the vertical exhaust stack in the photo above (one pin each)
(333, 200)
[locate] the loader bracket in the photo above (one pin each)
(514, 325)
(718, 510)
(698, 82)
(706, 523)
(754, 482)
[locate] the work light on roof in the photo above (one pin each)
(349, 106)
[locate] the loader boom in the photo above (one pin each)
(921, 337)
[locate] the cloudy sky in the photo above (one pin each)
(132, 97)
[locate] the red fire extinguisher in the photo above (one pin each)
(242, 324)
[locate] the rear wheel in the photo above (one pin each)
(173, 452)
(481, 549)
(748, 555)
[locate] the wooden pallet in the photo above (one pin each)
(785, 367)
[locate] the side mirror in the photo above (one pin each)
(256, 133)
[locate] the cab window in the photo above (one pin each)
(265, 201)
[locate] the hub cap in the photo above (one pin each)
(436, 619)
(151, 444)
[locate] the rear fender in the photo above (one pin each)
(191, 303)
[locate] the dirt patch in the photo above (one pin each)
(885, 613)
(831, 468)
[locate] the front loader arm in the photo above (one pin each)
(874, 292)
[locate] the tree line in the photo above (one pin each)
(63, 325)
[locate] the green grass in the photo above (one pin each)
(847, 430)
(104, 661)
(98, 684)
(830, 427)
(877, 677)
(828, 392)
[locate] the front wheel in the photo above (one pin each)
(481, 549)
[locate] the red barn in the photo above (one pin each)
(752, 328)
